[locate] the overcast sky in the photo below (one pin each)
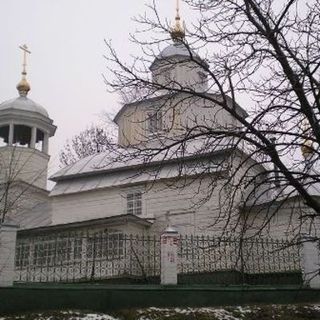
(66, 38)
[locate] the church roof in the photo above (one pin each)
(268, 193)
(177, 49)
(128, 167)
(105, 222)
(24, 104)
(122, 159)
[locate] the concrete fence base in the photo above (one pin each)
(310, 262)
(8, 235)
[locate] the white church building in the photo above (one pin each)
(190, 188)
(114, 188)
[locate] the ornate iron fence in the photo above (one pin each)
(81, 256)
(199, 254)
(86, 257)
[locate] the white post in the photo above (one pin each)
(8, 235)
(11, 132)
(45, 143)
(310, 261)
(33, 137)
(169, 256)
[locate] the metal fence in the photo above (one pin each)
(86, 257)
(95, 256)
(199, 254)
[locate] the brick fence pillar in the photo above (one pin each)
(169, 256)
(310, 261)
(8, 235)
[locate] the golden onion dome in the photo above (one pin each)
(177, 33)
(23, 87)
(307, 148)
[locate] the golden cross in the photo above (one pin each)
(178, 9)
(25, 50)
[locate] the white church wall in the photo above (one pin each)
(29, 165)
(196, 204)
(86, 205)
(166, 202)
(187, 207)
(176, 72)
(282, 220)
(132, 126)
(26, 205)
(203, 112)
(179, 115)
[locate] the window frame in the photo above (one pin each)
(155, 124)
(134, 205)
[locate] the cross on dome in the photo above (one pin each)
(23, 86)
(177, 32)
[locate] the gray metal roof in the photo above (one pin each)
(24, 104)
(111, 169)
(268, 192)
(107, 221)
(177, 49)
(122, 159)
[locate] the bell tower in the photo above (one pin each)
(25, 129)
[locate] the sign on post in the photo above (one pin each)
(169, 256)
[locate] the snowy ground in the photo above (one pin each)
(262, 312)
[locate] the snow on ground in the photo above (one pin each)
(219, 313)
(261, 312)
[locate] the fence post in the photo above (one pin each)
(169, 256)
(8, 235)
(310, 261)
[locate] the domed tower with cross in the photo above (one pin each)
(25, 129)
(178, 66)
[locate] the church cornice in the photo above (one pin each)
(28, 118)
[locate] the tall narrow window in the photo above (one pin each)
(134, 203)
(154, 122)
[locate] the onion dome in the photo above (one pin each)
(23, 87)
(307, 149)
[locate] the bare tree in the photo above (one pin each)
(88, 142)
(19, 191)
(263, 52)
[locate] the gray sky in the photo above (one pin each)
(66, 38)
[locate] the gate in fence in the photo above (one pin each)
(76, 257)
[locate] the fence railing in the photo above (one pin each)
(259, 255)
(80, 256)
(83, 257)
